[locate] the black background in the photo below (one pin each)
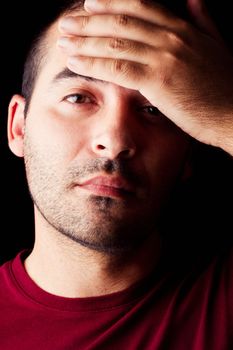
(209, 216)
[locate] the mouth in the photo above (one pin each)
(106, 186)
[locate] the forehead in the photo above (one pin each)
(53, 69)
(54, 58)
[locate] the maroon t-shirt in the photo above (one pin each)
(172, 311)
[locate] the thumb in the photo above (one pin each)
(199, 13)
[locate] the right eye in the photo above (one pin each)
(78, 99)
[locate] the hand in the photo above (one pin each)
(186, 73)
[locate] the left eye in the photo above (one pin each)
(78, 99)
(153, 111)
(152, 114)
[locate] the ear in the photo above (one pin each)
(16, 125)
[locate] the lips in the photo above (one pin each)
(108, 186)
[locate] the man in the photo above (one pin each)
(106, 138)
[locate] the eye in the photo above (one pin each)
(78, 99)
(152, 112)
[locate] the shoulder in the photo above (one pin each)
(9, 271)
(216, 281)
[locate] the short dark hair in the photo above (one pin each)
(37, 53)
(54, 9)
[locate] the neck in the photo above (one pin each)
(65, 268)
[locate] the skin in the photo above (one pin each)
(100, 169)
(186, 72)
(63, 142)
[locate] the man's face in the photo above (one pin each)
(99, 162)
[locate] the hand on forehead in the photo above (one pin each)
(143, 46)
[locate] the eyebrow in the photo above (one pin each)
(66, 74)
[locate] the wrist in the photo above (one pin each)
(225, 133)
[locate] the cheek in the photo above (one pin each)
(166, 159)
(53, 137)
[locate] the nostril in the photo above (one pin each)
(100, 147)
(113, 147)
(126, 153)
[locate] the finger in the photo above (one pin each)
(106, 48)
(120, 72)
(201, 17)
(121, 26)
(149, 11)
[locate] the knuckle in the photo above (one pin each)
(137, 72)
(80, 42)
(175, 39)
(141, 3)
(85, 22)
(116, 44)
(127, 71)
(118, 67)
(89, 63)
(122, 20)
(108, 4)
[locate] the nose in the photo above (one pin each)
(114, 136)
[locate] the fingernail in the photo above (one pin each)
(66, 23)
(63, 42)
(91, 5)
(72, 61)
